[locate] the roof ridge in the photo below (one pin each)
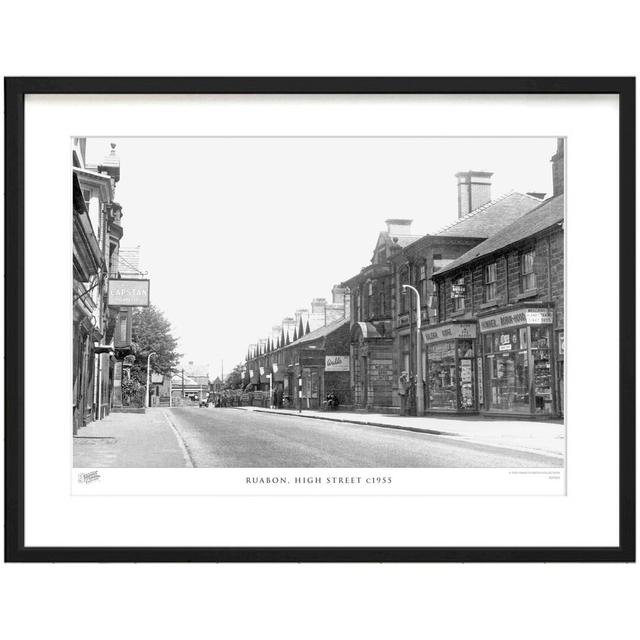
(478, 210)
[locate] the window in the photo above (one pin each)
(370, 300)
(86, 195)
(382, 298)
(458, 294)
(404, 293)
(490, 282)
(423, 288)
(527, 274)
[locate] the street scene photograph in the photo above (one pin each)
(318, 302)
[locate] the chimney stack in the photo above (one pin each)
(557, 168)
(474, 190)
(398, 226)
(337, 294)
(111, 164)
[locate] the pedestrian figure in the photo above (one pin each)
(403, 390)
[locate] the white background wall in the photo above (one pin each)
(330, 38)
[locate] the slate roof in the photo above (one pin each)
(403, 240)
(322, 331)
(488, 219)
(547, 214)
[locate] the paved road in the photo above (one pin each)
(216, 437)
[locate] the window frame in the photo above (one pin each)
(490, 285)
(526, 275)
(459, 302)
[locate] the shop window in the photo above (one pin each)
(441, 376)
(507, 370)
(458, 294)
(490, 282)
(541, 352)
(527, 274)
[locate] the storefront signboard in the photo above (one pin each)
(312, 358)
(448, 332)
(336, 363)
(515, 318)
(128, 293)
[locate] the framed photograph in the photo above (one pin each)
(320, 319)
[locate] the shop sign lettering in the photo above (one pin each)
(128, 293)
(448, 332)
(336, 363)
(515, 318)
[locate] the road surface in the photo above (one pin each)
(216, 437)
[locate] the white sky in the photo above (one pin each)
(238, 233)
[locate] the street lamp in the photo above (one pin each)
(153, 353)
(419, 383)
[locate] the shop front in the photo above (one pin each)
(450, 379)
(518, 362)
(311, 378)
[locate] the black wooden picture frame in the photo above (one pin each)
(15, 91)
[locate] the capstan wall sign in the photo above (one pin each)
(128, 293)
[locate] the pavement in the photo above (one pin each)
(130, 440)
(252, 437)
(547, 437)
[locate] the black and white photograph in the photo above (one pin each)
(360, 317)
(318, 302)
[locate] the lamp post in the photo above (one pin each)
(153, 353)
(419, 383)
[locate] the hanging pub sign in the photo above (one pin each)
(128, 293)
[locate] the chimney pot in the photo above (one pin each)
(474, 190)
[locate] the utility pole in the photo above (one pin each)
(419, 382)
(183, 382)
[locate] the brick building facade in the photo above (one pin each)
(499, 345)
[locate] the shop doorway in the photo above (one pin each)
(364, 377)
